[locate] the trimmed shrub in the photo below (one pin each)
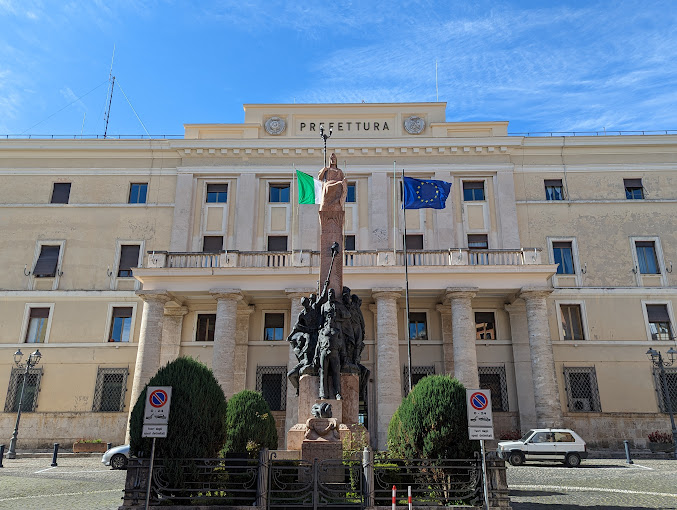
(250, 425)
(432, 422)
(197, 415)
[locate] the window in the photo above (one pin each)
(633, 189)
(278, 193)
(109, 393)
(478, 242)
(273, 326)
(271, 382)
(572, 322)
(493, 378)
(45, 267)
(129, 258)
(277, 243)
(121, 324)
(417, 373)
(138, 192)
(61, 192)
(205, 327)
(351, 197)
(671, 383)
(582, 392)
(212, 244)
(37, 325)
(473, 191)
(485, 326)
(414, 241)
(30, 397)
(646, 257)
(553, 189)
(563, 255)
(349, 243)
(418, 329)
(217, 193)
(659, 322)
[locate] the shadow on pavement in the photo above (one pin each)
(517, 493)
(582, 466)
(546, 506)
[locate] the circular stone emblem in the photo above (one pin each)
(275, 126)
(414, 125)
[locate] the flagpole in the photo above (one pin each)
(406, 280)
(394, 212)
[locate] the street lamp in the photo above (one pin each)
(657, 359)
(32, 361)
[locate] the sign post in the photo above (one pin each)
(480, 426)
(155, 420)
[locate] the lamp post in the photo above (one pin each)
(657, 359)
(33, 360)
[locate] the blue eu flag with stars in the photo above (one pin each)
(425, 193)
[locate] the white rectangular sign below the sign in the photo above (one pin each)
(154, 431)
(158, 399)
(477, 433)
(479, 409)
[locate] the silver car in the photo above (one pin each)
(116, 458)
(545, 444)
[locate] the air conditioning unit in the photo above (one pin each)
(582, 404)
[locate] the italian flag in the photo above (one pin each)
(310, 189)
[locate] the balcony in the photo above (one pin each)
(288, 259)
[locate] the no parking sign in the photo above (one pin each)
(480, 418)
(156, 413)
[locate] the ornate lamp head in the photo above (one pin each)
(652, 354)
(17, 357)
(671, 354)
(34, 358)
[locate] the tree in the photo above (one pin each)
(249, 423)
(432, 422)
(196, 427)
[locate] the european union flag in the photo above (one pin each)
(428, 193)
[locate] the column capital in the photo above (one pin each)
(299, 293)
(386, 293)
(231, 294)
(461, 292)
(160, 296)
(443, 308)
(535, 292)
(176, 311)
(517, 306)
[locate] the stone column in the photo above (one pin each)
(546, 391)
(225, 329)
(524, 380)
(463, 332)
(507, 210)
(150, 341)
(241, 349)
(447, 339)
(183, 213)
(292, 405)
(388, 368)
(171, 334)
(380, 195)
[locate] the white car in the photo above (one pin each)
(545, 444)
(116, 458)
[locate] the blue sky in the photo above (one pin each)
(542, 65)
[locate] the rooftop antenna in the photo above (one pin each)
(437, 89)
(111, 79)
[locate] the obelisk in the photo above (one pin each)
(332, 216)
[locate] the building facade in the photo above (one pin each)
(546, 278)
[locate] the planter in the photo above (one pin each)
(661, 447)
(89, 447)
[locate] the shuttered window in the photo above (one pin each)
(129, 258)
(47, 261)
(659, 322)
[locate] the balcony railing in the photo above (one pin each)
(280, 259)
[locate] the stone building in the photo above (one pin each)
(546, 278)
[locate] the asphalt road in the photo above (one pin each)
(599, 483)
(75, 484)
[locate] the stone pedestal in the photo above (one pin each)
(331, 223)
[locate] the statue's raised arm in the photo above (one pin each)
(334, 187)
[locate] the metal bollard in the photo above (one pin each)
(109, 446)
(627, 452)
(2, 454)
(56, 451)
